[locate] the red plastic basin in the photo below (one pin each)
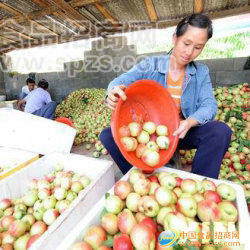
(65, 120)
(146, 101)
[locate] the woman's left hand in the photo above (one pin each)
(184, 127)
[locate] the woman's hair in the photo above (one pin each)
(43, 84)
(196, 20)
(30, 80)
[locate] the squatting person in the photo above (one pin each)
(38, 102)
(190, 85)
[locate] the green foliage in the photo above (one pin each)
(12, 73)
(224, 47)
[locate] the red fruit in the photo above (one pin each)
(140, 150)
(122, 189)
(208, 210)
(153, 178)
(50, 178)
(129, 143)
(126, 221)
(142, 237)
(135, 128)
(182, 152)
(5, 203)
(183, 162)
(122, 242)
(242, 155)
(38, 228)
(6, 221)
(17, 228)
(151, 158)
(140, 216)
(244, 115)
(243, 161)
(248, 167)
(212, 195)
(81, 246)
(227, 155)
(178, 181)
(95, 236)
(32, 239)
(242, 178)
(124, 131)
(7, 246)
(103, 248)
(6, 238)
(150, 223)
(110, 223)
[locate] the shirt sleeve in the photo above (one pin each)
(25, 90)
(47, 98)
(207, 103)
(135, 73)
(27, 97)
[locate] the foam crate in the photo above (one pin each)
(12, 160)
(93, 217)
(99, 171)
(32, 133)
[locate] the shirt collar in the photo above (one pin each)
(164, 63)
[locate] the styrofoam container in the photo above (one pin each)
(2, 98)
(99, 171)
(12, 160)
(93, 217)
(32, 133)
(8, 104)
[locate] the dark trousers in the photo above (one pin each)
(47, 111)
(211, 141)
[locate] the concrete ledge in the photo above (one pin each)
(226, 64)
(230, 77)
(239, 63)
(213, 78)
(109, 42)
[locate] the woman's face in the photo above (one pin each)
(188, 46)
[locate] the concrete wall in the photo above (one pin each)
(108, 59)
(2, 85)
(226, 71)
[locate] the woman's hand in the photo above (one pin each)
(114, 95)
(184, 127)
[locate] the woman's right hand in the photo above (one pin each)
(114, 95)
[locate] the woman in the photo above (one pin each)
(189, 84)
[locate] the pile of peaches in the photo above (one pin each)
(146, 140)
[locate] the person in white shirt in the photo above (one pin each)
(38, 101)
(30, 85)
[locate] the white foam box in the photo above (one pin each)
(32, 133)
(8, 104)
(99, 171)
(93, 217)
(12, 160)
